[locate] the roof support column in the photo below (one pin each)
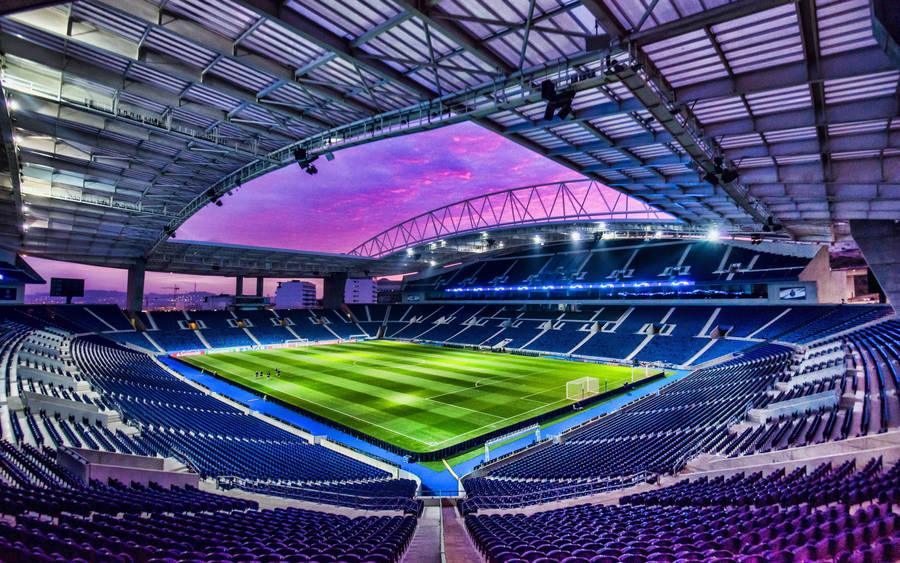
(333, 295)
(259, 286)
(879, 242)
(134, 295)
(238, 286)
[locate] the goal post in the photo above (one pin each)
(579, 389)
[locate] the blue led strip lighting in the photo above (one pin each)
(554, 287)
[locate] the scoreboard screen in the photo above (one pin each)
(66, 287)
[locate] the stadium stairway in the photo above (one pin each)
(425, 546)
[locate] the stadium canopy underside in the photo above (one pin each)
(121, 119)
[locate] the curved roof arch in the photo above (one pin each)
(558, 202)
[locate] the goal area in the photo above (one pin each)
(579, 389)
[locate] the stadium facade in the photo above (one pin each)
(668, 360)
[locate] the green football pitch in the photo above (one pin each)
(422, 398)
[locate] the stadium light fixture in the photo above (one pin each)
(432, 263)
(538, 240)
(12, 105)
(409, 251)
(659, 234)
(729, 176)
(714, 234)
(576, 236)
(601, 225)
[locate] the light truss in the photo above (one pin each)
(563, 202)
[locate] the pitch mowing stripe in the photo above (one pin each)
(468, 361)
(331, 383)
(315, 399)
(362, 393)
(344, 397)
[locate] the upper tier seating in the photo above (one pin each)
(620, 260)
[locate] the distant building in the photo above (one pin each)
(217, 302)
(360, 291)
(295, 295)
(388, 291)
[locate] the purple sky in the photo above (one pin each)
(363, 191)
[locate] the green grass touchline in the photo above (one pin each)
(418, 397)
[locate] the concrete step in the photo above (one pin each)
(458, 545)
(425, 546)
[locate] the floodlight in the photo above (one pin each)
(729, 176)
(576, 236)
(409, 251)
(538, 240)
(659, 234)
(11, 105)
(329, 156)
(561, 101)
(432, 263)
(713, 234)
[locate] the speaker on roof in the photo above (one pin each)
(596, 43)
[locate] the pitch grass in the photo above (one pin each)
(415, 396)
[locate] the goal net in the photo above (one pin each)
(579, 389)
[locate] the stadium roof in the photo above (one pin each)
(122, 119)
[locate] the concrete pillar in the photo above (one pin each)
(259, 286)
(879, 242)
(239, 286)
(333, 295)
(134, 295)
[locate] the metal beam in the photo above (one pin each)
(328, 41)
(68, 65)
(833, 67)
(139, 8)
(606, 109)
(12, 165)
(433, 15)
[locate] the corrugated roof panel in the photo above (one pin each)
(651, 151)
(168, 43)
(856, 127)
(610, 155)
(737, 141)
(126, 26)
(211, 97)
(755, 162)
(276, 42)
(844, 25)
(722, 109)
(347, 18)
(245, 76)
(861, 87)
(223, 16)
(780, 100)
(544, 139)
(141, 102)
(797, 159)
(790, 134)
(156, 79)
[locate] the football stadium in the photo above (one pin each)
(465, 281)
